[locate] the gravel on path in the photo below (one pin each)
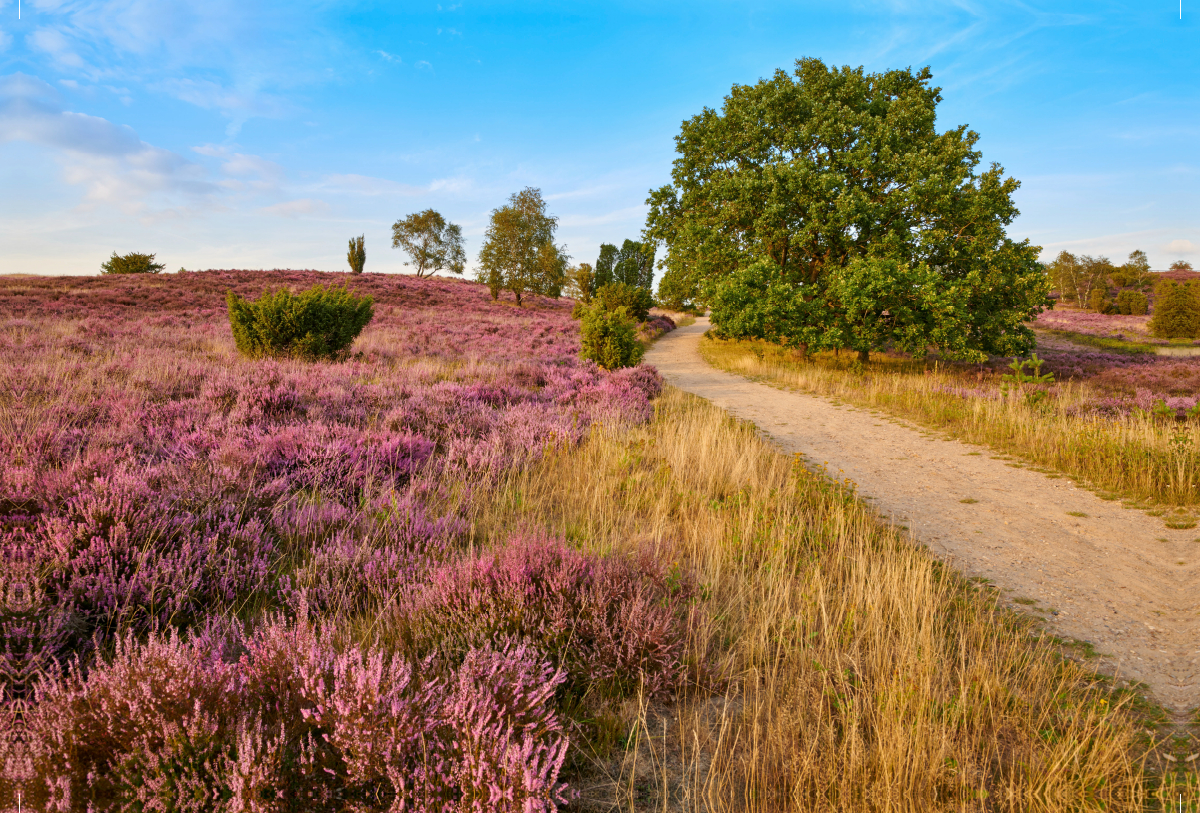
(1099, 573)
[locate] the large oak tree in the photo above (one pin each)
(834, 187)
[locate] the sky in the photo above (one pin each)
(243, 134)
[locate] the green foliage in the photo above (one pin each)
(319, 323)
(518, 251)
(581, 282)
(605, 264)
(1076, 278)
(609, 338)
(132, 263)
(1099, 302)
(357, 255)
(1135, 273)
(430, 242)
(636, 301)
(679, 293)
(1181, 265)
(1132, 303)
(1176, 310)
(833, 166)
(634, 265)
(1031, 384)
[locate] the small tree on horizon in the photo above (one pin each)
(132, 263)
(1181, 265)
(519, 253)
(430, 242)
(357, 256)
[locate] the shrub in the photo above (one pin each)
(1099, 302)
(636, 301)
(609, 338)
(1132, 303)
(320, 323)
(357, 255)
(132, 263)
(1176, 310)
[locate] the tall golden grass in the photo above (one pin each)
(846, 668)
(1142, 457)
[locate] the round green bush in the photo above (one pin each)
(320, 323)
(636, 301)
(1176, 310)
(132, 263)
(609, 338)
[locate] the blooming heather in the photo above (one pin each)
(154, 485)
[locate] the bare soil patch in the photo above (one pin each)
(1096, 572)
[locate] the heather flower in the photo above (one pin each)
(614, 621)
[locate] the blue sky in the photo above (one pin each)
(240, 134)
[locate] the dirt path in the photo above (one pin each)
(1116, 578)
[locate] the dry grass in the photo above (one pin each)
(1143, 457)
(846, 669)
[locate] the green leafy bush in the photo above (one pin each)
(1099, 302)
(609, 338)
(132, 263)
(1176, 310)
(319, 323)
(1132, 303)
(636, 301)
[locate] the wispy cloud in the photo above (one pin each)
(108, 160)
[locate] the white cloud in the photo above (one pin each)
(1181, 247)
(390, 57)
(108, 160)
(424, 65)
(454, 186)
(237, 104)
(244, 170)
(297, 208)
(54, 43)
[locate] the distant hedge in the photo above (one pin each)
(320, 323)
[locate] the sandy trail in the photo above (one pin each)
(1116, 578)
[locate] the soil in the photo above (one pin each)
(1096, 572)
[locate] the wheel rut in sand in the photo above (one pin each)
(1116, 578)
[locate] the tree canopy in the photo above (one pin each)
(632, 264)
(819, 181)
(430, 242)
(132, 263)
(519, 253)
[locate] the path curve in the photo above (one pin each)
(1116, 578)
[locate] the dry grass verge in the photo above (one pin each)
(838, 666)
(1142, 457)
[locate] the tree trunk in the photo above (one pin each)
(864, 356)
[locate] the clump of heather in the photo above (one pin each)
(175, 724)
(612, 622)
